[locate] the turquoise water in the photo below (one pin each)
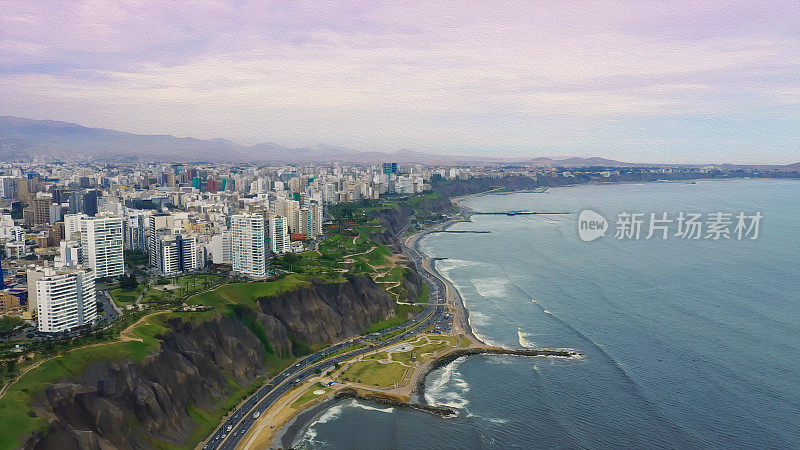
(687, 343)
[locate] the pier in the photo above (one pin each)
(517, 213)
(461, 231)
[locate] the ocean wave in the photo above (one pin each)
(496, 420)
(448, 387)
(472, 325)
(450, 264)
(491, 287)
(331, 413)
(309, 438)
(356, 404)
(524, 339)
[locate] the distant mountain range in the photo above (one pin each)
(25, 139)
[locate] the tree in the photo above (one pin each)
(128, 282)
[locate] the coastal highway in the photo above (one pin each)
(243, 418)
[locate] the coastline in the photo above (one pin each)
(286, 433)
(453, 296)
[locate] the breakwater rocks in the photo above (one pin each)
(447, 358)
(395, 401)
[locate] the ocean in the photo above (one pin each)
(686, 343)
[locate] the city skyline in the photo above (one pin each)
(646, 82)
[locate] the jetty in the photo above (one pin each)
(461, 231)
(515, 213)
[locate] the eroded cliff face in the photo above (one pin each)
(123, 404)
(324, 313)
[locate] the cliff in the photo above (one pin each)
(126, 404)
(121, 404)
(324, 313)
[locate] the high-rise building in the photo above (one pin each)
(72, 225)
(56, 213)
(279, 235)
(90, 203)
(101, 246)
(39, 209)
(220, 247)
(176, 253)
(305, 223)
(247, 245)
(65, 300)
(390, 168)
(316, 213)
(33, 275)
(158, 223)
(136, 231)
(8, 186)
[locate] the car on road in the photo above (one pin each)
(256, 414)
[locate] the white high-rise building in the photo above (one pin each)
(157, 223)
(72, 225)
(65, 300)
(247, 245)
(279, 235)
(220, 248)
(101, 246)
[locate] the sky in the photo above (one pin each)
(639, 81)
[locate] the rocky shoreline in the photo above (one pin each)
(419, 389)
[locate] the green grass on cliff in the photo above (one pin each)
(248, 293)
(15, 410)
(401, 314)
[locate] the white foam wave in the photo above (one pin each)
(332, 413)
(446, 265)
(310, 435)
(524, 339)
(478, 318)
(497, 420)
(471, 322)
(356, 404)
(448, 388)
(491, 287)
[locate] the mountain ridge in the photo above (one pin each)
(23, 139)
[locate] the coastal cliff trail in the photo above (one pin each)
(346, 258)
(124, 336)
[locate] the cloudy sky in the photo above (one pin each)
(678, 81)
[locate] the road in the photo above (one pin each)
(242, 420)
(108, 305)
